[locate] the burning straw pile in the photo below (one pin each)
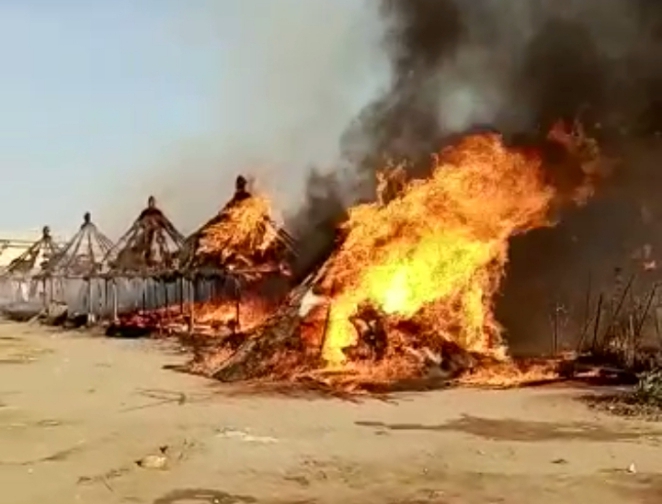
(409, 292)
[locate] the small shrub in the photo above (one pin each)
(649, 388)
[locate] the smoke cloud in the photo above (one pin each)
(516, 67)
(290, 76)
(343, 84)
(512, 65)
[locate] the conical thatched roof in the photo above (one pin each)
(241, 238)
(84, 253)
(36, 258)
(150, 246)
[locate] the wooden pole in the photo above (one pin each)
(555, 328)
(237, 288)
(143, 289)
(44, 299)
(166, 299)
(587, 315)
(596, 327)
(90, 305)
(180, 288)
(192, 309)
(115, 301)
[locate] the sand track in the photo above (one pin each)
(77, 412)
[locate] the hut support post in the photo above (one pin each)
(115, 301)
(237, 300)
(180, 288)
(166, 299)
(51, 294)
(105, 297)
(44, 297)
(144, 294)
(192, 311)
(90, 302)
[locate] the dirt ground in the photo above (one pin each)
(77, 412)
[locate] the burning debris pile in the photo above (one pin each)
(409, 292)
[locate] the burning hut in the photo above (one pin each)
(239, 262)
(409, 292)
(144, 264)
(72, 275)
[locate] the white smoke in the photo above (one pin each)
(291, 75)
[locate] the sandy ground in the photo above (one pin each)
(77, 412)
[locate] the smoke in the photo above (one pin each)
(420, 36)
(517, 67)
(288, 77)
(513, 65)
(344, 84)
(341, 84)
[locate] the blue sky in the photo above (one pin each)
(102, 102)
(85, 87)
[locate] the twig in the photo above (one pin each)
(587, 315)
(647, 307)
(596, 327)
(619, 306)
(630, 343)
(555, 329)
(175, 397)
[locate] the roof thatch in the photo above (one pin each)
(241, 239)
(84, 253)
(36, 258)
(150, 246)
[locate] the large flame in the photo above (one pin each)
(410, 290)
(438, 249)
(244, 229)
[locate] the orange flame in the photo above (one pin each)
(250, 313)
(246, 226)
(437, 250)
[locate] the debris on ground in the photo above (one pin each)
(155, 461)
(644, 400)
(245, 436)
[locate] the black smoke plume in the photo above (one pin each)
(420, 35)
(517, 67)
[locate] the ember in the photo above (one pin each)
(410, 290)
(246, 316)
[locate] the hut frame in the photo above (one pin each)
(80, 259)
(27, 270)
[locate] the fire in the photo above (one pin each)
(409, 292)
(436, 252)
(236, 270)
(244, 229)
(244, 315)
